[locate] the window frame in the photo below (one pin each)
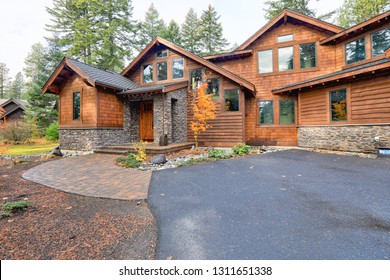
(193, 70)
(173, 72)
(294, 107)
(259, 114)
(162, 51)
(345, 50)
(143, 73)
(239, 101)
(315, 56)
(158, 71)
(215, 97)
(293, 59)
(371, 42)
(286, 35)
(79, 108)
(272, 61)
(346, 105)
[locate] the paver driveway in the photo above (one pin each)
(285, 205)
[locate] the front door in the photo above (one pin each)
(146, 121)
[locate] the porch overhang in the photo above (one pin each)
(162, 88)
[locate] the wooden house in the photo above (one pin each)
(13, 110)
(297, 81)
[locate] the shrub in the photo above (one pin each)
(130, 161)
(241, 149)
(219, 154)
(51, 133)
(15, 206)
(17, 132)
(140, 148)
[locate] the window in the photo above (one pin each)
(178, 69)
(76, 105)
(355, 51)
(380, 41)
(338, 105)
(286, 58)
(307, 54)
(195, 78)
(148, 73)
(213, 87)
(161, 54)
(266, 112)
(162, 71)
(232, 100)
(285, 38)
(265, 62)
(287, 111)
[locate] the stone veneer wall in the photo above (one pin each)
(89, 139)
(354, 138)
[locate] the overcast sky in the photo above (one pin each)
(22, 22)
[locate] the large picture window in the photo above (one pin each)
(232, 100)
(162, 71)
(265, 61)
(338, 105)
(213, 87)
(287, 111)
(307, 55)
(178, 69)
(76, 106)
(380, 41)
(266, 112)
(286, 58)
(355, 51)
(195, 78)
(148, 73)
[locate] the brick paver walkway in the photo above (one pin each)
(92, 175)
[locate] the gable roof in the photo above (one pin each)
(158, 40)
(294, 17)
(20, 104)
(374, 67)
(91, 75)
(357, 29)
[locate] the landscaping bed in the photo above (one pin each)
(58, 225)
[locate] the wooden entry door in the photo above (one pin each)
(146, 121)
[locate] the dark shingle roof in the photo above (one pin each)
(335, 74)
(105, 77)
(152, 88)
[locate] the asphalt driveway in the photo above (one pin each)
(286, 205)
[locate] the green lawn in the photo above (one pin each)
(30, 149)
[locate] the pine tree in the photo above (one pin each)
(172, 33)
(275, 7)
(190, 33)
(37, 71)
(17, 86)
(151, 27)
(353, 12)
(4, 79)
(211, 32)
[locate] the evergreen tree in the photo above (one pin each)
(211, 32)
(39, 66)
(353, 12)
(4, 79)
(17, 86)
(172, 33)
(190, 33)
(275, 7)
(151, 27)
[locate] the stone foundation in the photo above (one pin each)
(353, 138)
(89, 139)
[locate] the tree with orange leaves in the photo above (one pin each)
(2, 111)
(204, 110)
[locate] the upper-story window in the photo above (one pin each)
(213, 87)
(148, 73)
(285, 38)
(195, 78)
(265, 61)
(286, 58)
(355, 51)
(307, 55)
(162, 71)
(380, 41)
(162, 54)
(178, 68)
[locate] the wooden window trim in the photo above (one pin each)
(239, 102)
(157, 71)
(143, 76)
(294, 59)
(365, 52)
(189, 72)
(273, 61)
(295, 113)
(284, 35)
(260, 125)
(316, 56)
(166, 50)
(184, 66)
(73, 108)
(348, 105)
(371, 41)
